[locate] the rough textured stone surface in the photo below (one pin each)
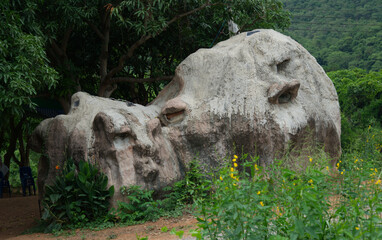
(258, 92)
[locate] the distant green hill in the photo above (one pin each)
(341, 34)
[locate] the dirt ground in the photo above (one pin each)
(18, 214)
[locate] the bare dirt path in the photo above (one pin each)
(17, 214)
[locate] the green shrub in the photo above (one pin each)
(140, 205)
(193, 186)
(359, 94)
(76, 197)
(278, 202)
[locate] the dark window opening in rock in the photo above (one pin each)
(281, 67)
(285, 97)
(173, 117)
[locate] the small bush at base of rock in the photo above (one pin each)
(77, 197)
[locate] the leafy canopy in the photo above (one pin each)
(97, 46)
(24, 68)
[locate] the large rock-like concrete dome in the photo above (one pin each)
(258, 92)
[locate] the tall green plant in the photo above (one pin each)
(278, 202)
(77, 196)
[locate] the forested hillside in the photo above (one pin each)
(341, 34)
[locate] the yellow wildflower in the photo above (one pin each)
(356, 161)
(378, 181)
(232, 169)
(327, 168)
(235, 164)
(310, 159)
(310, 181)
(235, 156)
(342, 172)
(356, 228)
(232, 176)
(221, 178)
(258, 192)
(234, 160)
(257, 169)
(262, 204)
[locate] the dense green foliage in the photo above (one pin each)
(280, 202)
(97, 46)
(140, 205)
(76, 197)
(360, 98)
(24, 66)
(340, 34)
(24, 72)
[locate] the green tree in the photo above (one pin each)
(360, 98)
(99, 45)
(24, 71)
(340, 34)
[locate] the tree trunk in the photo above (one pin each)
(24, 152)
(65, 104)
(107, 90)
(11, 147)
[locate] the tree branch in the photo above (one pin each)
(105, 45)
(95, 29)
(250, 24)
(57, 49)
(107, 79)
(65, 40)
(189, 13)
(139, 80)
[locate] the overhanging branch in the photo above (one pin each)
(139, 80)
(95, 29)
(189, 13)
(143, 39)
